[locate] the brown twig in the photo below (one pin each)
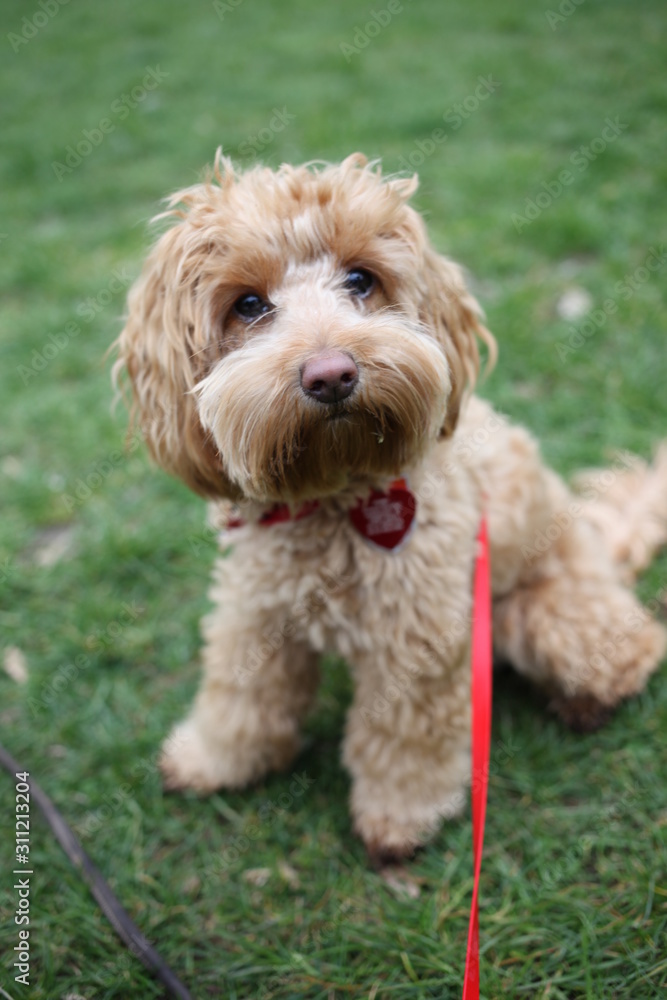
(119, 919)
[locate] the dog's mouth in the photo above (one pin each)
(282, 441)
(338, 411)
(375, 426)
(329, 450)
(316, 452)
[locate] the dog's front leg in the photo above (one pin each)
(407, 745)
(257, 685)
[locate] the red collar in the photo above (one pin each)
(384, 518)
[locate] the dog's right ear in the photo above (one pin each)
(166, 348)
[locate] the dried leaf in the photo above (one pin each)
(400, 881)
(15, 665)
(257, 876)
(289, 874)
(52, 544)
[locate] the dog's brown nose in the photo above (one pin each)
(329, 377)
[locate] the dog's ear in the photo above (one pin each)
(166, 348)
(454, 316)
(445, 305)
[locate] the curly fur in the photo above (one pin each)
(220, 403)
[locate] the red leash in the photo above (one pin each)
(481, 663)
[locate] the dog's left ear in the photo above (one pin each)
(445, 305)
(454, 317)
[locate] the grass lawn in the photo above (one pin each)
(104, 561)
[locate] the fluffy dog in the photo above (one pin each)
(300, 354)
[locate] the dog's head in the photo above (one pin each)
(295, 333)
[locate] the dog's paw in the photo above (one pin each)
(390, 841)
(186, 762)
(391, 836)
(615, 668)
(191, 759)
(581, 713)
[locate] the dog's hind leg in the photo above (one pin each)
(574, 627)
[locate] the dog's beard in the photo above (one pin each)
(277, 444)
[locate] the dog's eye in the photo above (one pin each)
(360, 282)
(251, 305)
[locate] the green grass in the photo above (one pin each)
(573, 894)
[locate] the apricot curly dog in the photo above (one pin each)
(300, 354)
